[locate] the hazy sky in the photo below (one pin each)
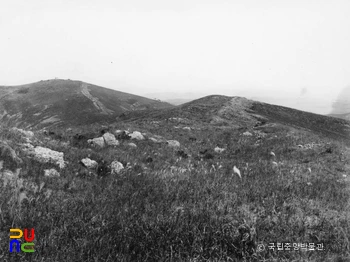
(295, 53)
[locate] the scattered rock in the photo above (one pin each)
(46, 155)
(173, 143)
(110, 139)
(237, 171)
(118, 131)
(87, 162)
(137, 135)
(116, 167)
(219, 150)
(98, 141)
(51, 173)
(157, 140)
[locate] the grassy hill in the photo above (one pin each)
(240, 112)
(66, 103)
(187, 203)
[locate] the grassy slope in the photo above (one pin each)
(63, 99)
(175, 209)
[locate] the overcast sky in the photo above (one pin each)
(294, 53)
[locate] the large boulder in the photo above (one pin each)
(46, 155)
(136, 135)
(98, 141)
(110, 139)
(87, 162)
(116, 167)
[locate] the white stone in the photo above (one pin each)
(236, 171)
(110, 139)
(89, 163)
(136, 135)
(219, 150)
(247, 133)
(132, 145)
(116, 167)
(51, 173)
(173, 143)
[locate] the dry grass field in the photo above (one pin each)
(186, 203)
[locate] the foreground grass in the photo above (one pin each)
(176, 209)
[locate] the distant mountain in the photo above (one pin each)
(66, 102)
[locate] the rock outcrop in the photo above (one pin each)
(46, 155)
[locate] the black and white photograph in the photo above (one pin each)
(163, 130)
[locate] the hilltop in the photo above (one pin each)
(239, 112)
(67, 103)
